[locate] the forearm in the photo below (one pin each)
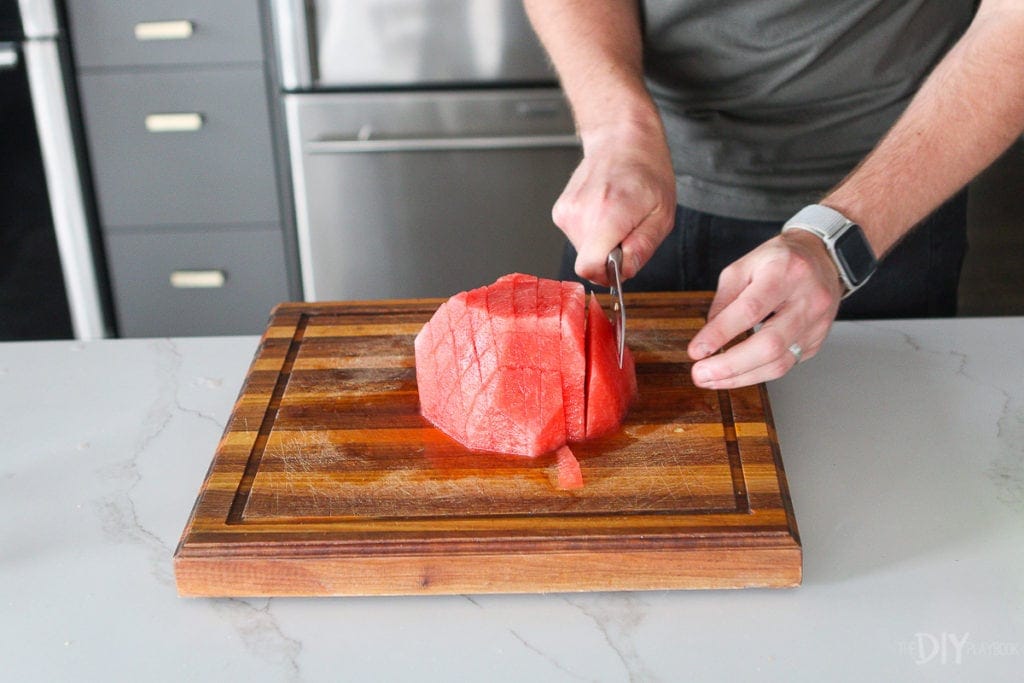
(968, 111)
(597, 50)
(623, 191)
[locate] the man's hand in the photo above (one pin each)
(789, 285)
(624, 189)
(622, 192)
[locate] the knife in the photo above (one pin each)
(614, 270)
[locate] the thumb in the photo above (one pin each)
(640, 244)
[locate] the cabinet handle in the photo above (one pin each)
(164, 30)
(198, 279)
(182, 122)
(8, 56)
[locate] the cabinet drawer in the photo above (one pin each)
(196, 282)
(108, 33)
(175, 147)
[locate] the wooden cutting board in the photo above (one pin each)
(328, 481)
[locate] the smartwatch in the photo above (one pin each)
(844, 240)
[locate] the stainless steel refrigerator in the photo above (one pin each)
(427, 142)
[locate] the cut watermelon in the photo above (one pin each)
(522, 366)
(610, 389)
(567, 469)
(573, 359)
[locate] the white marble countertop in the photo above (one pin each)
(903, 443)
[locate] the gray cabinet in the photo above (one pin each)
(180, 146)
(179, 129)
(134, 33)
(196, 282)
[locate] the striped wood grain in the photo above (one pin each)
(328, 481)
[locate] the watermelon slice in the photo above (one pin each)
(609, 388)
(567, 469)
(523, 366)
(573, 359)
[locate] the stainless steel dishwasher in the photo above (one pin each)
(427, 142)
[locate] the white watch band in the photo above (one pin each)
(821, 220)
(828, 225)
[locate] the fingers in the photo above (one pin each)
(639, 246)
(764, 356)
(734, 310)
(623, 192)
(791, 288)
(604, 225)
(639, 242)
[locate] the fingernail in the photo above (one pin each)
(703, 376)
(703, 350)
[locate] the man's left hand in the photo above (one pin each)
(790, 286)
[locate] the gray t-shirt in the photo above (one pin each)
(769, 103)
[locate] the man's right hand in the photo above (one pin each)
(623, 192)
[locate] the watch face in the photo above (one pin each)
(855, 253)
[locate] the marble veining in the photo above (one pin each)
(902, 441)
(1007, 465)
(261, 634)
(618, 618)
(117, 509)
(1007, 470)
(552, 660)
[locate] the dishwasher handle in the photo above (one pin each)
(441, 144)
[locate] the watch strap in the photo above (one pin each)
(829, 225)
(821, 220)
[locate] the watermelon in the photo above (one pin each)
(567, 469)
(609, 389)
(523, 366)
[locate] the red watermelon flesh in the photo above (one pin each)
(567, 469)
(610, 389)
(515, 367)
(573, 359)
(548, 357)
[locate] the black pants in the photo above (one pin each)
(919, 277)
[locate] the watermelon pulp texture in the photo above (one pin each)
(522, 366)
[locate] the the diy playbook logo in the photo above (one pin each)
(954, 648)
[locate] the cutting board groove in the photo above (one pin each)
(327, 481)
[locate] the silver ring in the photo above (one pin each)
(797, 351)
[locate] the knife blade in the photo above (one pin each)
(614, 270)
